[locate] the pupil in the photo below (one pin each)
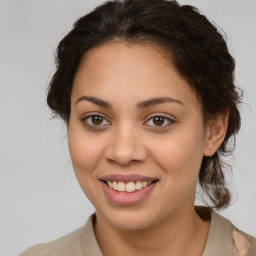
(97, 120)
(158, 120)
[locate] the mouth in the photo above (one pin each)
(127, 189)
(130, 186)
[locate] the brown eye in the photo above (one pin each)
(94, 120)
(160, 121)
(97, 120)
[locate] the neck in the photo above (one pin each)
(176, 235)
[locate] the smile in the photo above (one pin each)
(129, 187)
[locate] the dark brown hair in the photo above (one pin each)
(195, 46)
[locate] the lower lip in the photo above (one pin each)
(127, 198)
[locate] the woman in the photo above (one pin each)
(146, 88)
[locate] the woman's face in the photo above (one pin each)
(134, 120)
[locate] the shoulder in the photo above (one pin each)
(81, 242)
(224, 238)
(237, 241)
(70, 244)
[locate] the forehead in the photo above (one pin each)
(137, 71)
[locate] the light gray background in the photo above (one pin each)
(40, 199)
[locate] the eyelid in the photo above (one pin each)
(84, 118)
(170, 119)
(161, 114)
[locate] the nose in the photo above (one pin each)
(125, 146)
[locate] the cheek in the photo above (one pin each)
(180, 157)
(85, 152)
(180, 160)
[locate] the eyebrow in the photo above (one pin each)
(140, 105)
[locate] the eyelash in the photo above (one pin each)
(169, 120)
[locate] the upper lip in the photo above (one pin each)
(127, 178)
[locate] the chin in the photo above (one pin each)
(131, 220)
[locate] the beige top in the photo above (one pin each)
(223, 239)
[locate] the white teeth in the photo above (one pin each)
(115, 186)
(144, 184)
(110, 184)
(138, 185)
(121, 186)
(130, 186)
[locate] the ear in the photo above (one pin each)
(215, 132)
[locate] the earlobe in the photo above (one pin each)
(215, 133)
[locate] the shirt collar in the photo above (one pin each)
(219, 239)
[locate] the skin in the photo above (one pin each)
(128, 141)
